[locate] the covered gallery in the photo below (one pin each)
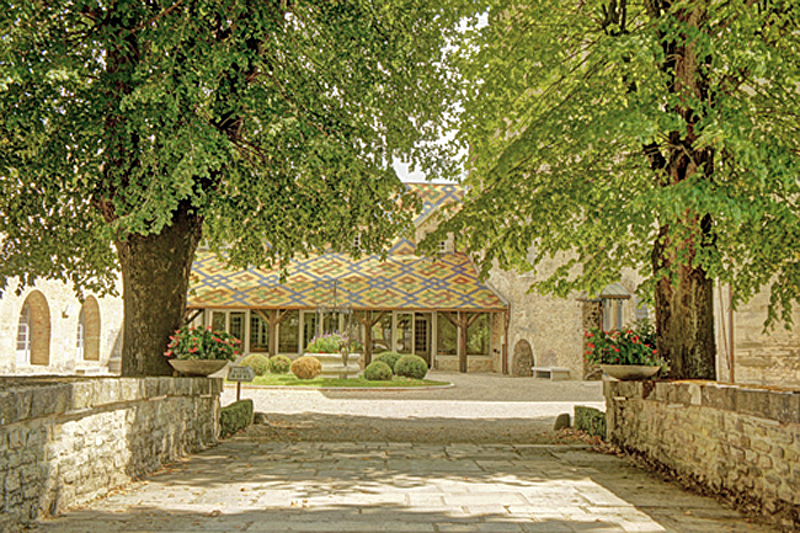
(436, 308)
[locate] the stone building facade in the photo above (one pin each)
(47, 330)
(411, 304)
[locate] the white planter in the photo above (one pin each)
(333, 366)
(198, 367)
(630, 372)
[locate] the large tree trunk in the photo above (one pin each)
(155, 278)
(683, 292)
(684, 318)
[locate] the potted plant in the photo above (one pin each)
(201, 351)
(624, 354)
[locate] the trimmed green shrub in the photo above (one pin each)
(411, 366)
(257, 362)
(235, 417)
(306, 367)
(590, 420)
(390, 358)
(378, 371)
(279, 364)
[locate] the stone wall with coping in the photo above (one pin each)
(740, 442)
(64, 441)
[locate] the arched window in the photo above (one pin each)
(24, 336)
(33, 331)
(88, 339)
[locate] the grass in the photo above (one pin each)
(290, 380)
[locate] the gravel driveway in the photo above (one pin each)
(478, 409)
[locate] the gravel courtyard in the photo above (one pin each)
(477, 409)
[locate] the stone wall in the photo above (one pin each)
(740, 442)
(551, 326)
(760, 358)
(64, 441)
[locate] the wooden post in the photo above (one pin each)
(272, 319)
(368, 325)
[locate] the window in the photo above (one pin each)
(382, 334)
(404, 333)
(612, 314)
(259, 333)
(309, 327)
(289, 333)
(80, 343)
(479, 334)
(24, 335)
(443, 246)
(218, 321)
(446, 336)
(236, 324)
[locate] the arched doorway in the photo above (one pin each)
(33, 331)
(88, 342)
(522, 360)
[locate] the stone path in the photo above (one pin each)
(450, 460)
(414, 488)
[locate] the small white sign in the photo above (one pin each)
(241, 373)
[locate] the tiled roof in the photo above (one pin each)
(400, 282)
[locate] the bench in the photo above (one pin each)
(550, 372)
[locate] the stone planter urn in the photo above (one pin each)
(198, 367)
(333, 365)
(630, 372)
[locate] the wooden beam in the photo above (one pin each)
(462, 346)
(190, 315)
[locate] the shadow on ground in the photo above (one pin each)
(355, 487)
(312, 427)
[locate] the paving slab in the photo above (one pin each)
(478, 457)
(258, 487)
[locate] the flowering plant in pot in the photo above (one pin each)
(627, 348)
(201, 351)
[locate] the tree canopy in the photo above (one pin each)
(654, 135)
(267, 128)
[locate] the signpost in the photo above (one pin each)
(239, 374)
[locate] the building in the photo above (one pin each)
(437, 308)
(47, 330)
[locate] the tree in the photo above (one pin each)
(657, 135)
(267, 128)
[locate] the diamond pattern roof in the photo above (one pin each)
(400, 282)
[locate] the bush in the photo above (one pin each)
(306, 367)
(325, 344)
(257, 362)
(279, 364)
(235, 417)
(390, 358)
(412, 366)
(378, 371)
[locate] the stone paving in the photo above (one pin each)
(258, 485)
(348, 487)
